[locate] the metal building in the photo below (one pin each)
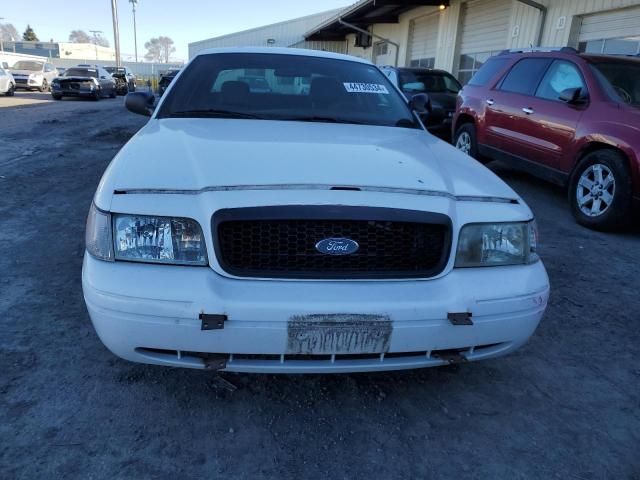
(283, 34)
(459, 35)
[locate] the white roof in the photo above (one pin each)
(283, 51)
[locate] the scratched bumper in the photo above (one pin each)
(149, 314)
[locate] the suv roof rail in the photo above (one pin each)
(539, 49)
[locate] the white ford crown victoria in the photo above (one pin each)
(285, 211)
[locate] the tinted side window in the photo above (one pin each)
(525, 75)
(561, 76)
(488, 71)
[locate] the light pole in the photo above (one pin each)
(116, 32)
(135, 35)
(1, 39)
(95, 40)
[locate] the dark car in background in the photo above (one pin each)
(89, 82)
(125, 79)
(442, 88)
(569, 118)
(166, 79)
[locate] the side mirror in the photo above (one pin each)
(140, 103)
(573, 96)
(420, 103)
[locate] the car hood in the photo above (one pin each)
(25, 72)
(197, 154)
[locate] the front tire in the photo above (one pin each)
(11, 91)
(600, 190)
(466, 140)
(56, 97)
(45, 86)
(97, 95)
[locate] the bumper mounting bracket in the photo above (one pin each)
(212, 322)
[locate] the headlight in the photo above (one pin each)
(177, 241)
(98, 238)
(495, 244)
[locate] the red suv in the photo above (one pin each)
(570, 118)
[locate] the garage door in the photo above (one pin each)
(483, 32)
(423, 41)
(616, 32)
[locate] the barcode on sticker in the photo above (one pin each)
(353, 87)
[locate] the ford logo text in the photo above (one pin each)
(337, 246)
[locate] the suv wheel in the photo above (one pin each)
(600, 190)
(11, 91)
(466, 140)
(45, 86)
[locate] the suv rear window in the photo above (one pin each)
(525, 76)
(488, 71)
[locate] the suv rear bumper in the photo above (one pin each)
(150, 314)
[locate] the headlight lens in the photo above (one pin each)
(176, 241)
(98, 238)
(496, 244)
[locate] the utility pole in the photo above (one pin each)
(135, 34)
(116, 32)
(95, 40)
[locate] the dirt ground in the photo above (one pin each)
(565, 406)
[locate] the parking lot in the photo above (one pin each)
(566, 406)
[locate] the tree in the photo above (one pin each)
(79, 36)
(29, 35)
(159, 49)
(8, 33)
(103, 42)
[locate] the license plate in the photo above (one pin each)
(338, 334)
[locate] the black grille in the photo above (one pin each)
(285, 247)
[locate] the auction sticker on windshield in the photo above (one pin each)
(353, 87)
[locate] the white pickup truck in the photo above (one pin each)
(304, 230)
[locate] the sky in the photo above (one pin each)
(184, 21)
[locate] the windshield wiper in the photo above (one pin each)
(213, 113)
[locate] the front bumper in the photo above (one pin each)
(73, 92)
(28, 83)
(150, 314)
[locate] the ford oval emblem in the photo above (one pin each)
(337, 246)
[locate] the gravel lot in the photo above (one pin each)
(565, 406)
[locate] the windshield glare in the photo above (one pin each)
(81, 72)
(287, 87)
(428, 82)
(26, 65)
(621, 80)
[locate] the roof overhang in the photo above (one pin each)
(365, 13)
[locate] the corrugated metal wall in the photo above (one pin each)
(336, 47)
(139, 69)
(566, 32)
(283, 34)
(524, 27)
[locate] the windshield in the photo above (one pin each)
(621, 80)
(26, 65)
(428, 82)
(115, 69)
(286, 87)
(81, 72)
